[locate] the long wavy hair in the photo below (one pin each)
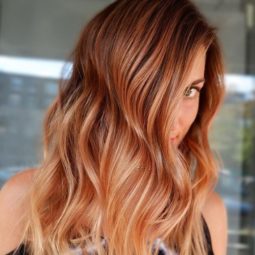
(109, 170)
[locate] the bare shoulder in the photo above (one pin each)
(21, 180)
(215, 214)
(13, 205)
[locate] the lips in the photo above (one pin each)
(174, 139)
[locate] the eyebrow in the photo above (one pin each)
(196, 82)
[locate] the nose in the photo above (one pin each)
(175, 131)
(173, 135)
(177, 124)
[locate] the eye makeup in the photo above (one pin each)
(187, 94)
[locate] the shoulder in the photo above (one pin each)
(19, 181)
(215, 214)
(13, 205)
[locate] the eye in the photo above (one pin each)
(190, 92)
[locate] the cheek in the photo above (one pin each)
(189, 113)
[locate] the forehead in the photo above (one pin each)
(197, 67)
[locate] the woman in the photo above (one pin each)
(127, 166)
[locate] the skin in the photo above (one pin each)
(13, 203)
(190, 104)
(214, 206)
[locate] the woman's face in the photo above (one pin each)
(190, 103)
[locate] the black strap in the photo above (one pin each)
(208, 237)
(19, 251)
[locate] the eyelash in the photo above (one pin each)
(192, 87)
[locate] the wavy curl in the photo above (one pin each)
(108, 168)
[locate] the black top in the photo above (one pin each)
(22, 250)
